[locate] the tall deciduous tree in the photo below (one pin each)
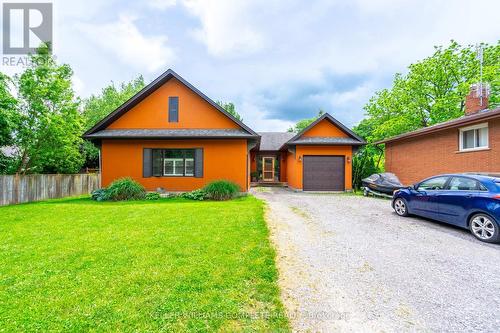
(432, 91)
(99, 106)
(8, 115)
(302, 124)
(47, 134)
(8, 105)
(231, 109)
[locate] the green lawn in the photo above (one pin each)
(169, 265)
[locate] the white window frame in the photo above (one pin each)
(470, 128)
(174, 160)
(185, 167)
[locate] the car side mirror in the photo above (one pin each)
(412, 187)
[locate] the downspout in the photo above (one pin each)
(380, 156)
(100, 166)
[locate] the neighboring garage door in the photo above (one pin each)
(323, 173)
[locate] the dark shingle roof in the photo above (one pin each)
(169, 134)
(274, 140)
(325, 141)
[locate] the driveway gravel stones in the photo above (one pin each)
(349, 263)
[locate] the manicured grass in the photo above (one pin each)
(168, 265)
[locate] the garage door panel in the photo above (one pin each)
(323, 173)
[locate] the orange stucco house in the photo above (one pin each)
(171, 136)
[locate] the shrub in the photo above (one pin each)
(221, 190)
(126, 189)
(100, 194)
(199, 195)
(152, 196)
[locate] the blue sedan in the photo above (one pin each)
(470, 201)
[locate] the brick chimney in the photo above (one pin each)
(473, 102)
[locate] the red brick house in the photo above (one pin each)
(467, 144)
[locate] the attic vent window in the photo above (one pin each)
(173, 109)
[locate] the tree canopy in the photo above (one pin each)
(99, 106)
(302, 124)
(48, 124)
(231, 109)
(111, 97)
(432, 91)
(8, 115)
(8, 104)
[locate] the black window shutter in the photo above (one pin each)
(198, 160)
(157, 161)
(147, 159)
(173, 109)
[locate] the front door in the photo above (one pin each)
(268, 169)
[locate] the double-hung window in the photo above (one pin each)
(474, 137)
(175, 162)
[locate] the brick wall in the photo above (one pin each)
(417, 158)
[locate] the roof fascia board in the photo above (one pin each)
(332, 120)
(444, 126)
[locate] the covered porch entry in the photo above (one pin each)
(268, 168)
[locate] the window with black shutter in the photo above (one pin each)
(177, 162)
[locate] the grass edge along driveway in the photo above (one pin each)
(169, 265)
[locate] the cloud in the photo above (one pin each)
(124, 41)
(224, 30)
(162, 4)
(78, 85)
(259, 119)
(278, 61)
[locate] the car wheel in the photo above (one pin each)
(401, 207)
(484, 228)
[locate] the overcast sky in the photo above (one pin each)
(278, 61)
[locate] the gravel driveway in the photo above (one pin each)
(348, 263)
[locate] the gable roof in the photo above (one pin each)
(353, 140)
(272, 141)
(148, 90)
(459, 122)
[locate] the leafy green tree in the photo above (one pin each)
(366, 162)
(111, 97)
(99, 106)
(49, 125)
(8, 114)
(369, 158)
(432, 91)
(231, 109)
(302, 124)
